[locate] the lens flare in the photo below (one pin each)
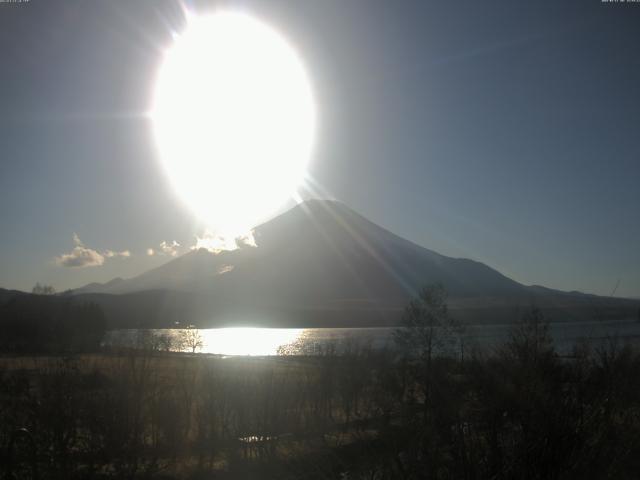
(234, 119)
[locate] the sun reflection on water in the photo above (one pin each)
(249, 340)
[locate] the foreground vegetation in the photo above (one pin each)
(407, 413)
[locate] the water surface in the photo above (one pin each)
(310, 341)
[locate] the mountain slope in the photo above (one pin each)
(320, 251)
(320, 263)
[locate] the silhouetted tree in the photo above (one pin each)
(530, 339)
(191, 338)
(426, 327)
(43, 289)
(30, 323)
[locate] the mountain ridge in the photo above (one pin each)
(323, 264)
(338, 227)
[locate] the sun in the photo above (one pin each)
(234, 119)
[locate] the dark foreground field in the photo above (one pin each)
(523, 412)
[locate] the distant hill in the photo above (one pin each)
(32, 323)
(96, 287)
(6, 295)
(323, 264)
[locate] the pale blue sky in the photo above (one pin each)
(502, 131)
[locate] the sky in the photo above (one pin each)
(502, 131)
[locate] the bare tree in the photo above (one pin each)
(426, 326)
(43, 289)
(191, 338)
(530, 340)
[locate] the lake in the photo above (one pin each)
(312, 341)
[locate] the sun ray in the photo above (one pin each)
(366, 245)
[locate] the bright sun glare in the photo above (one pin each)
(234, 119)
